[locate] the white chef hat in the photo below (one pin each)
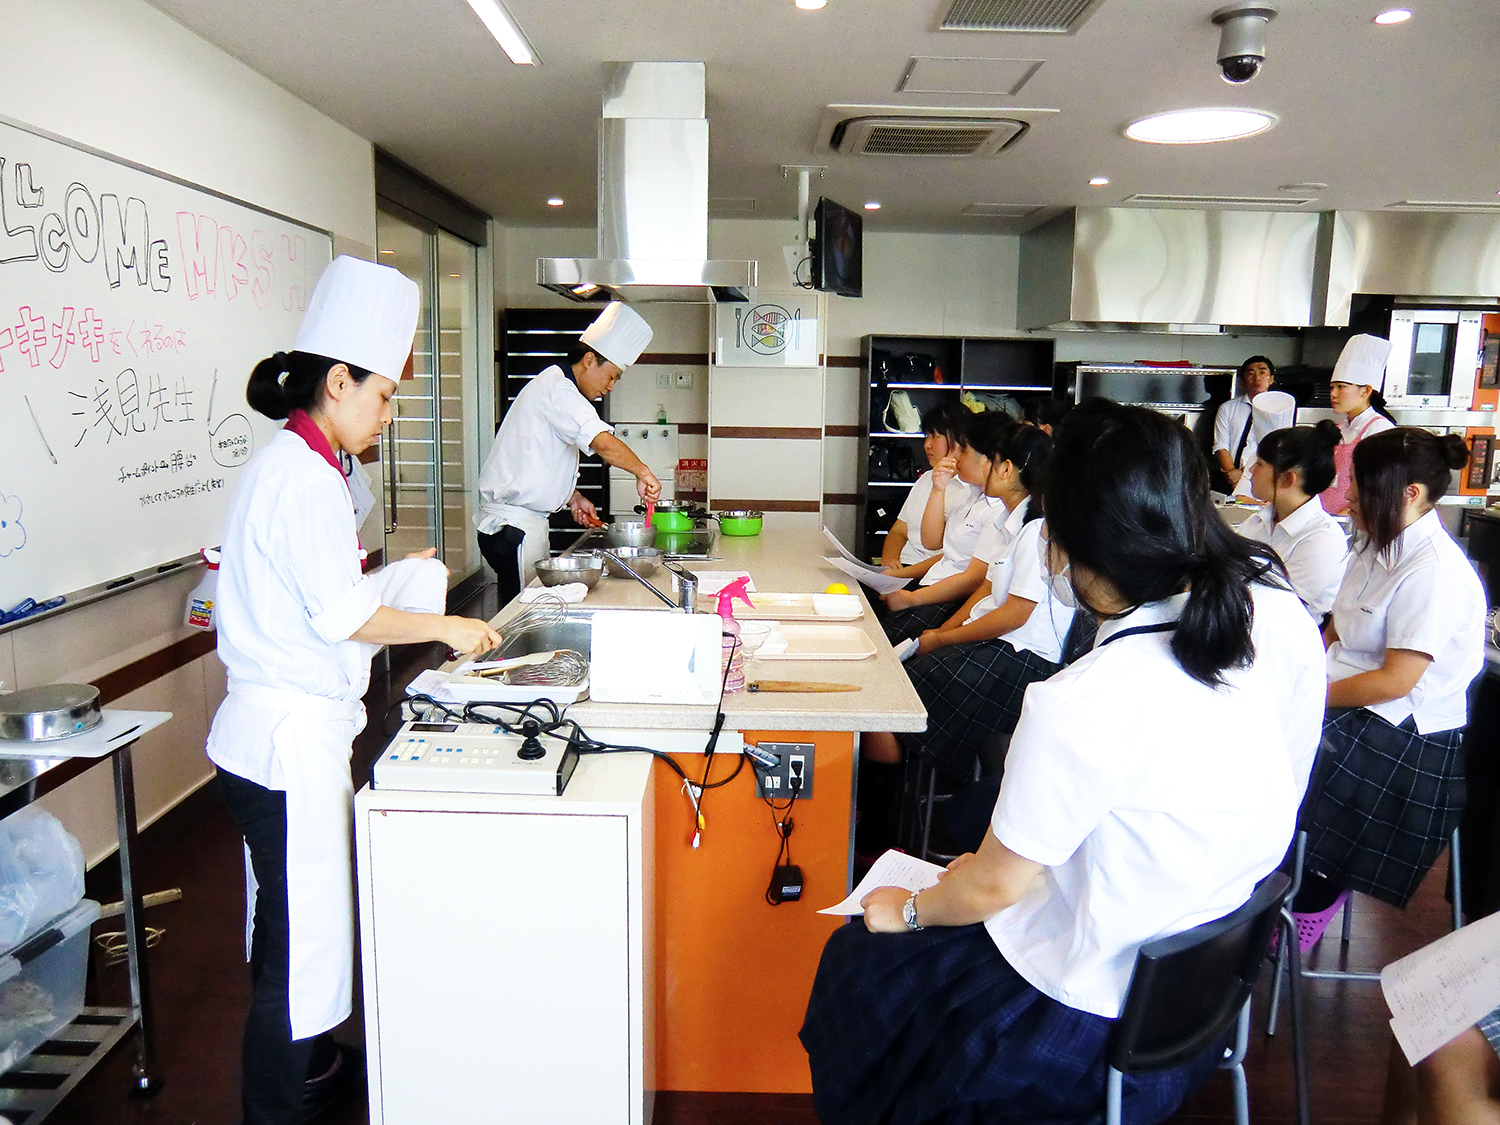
(1362, 362)
(361, 314)
(619, 334)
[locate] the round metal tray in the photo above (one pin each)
(43, 714)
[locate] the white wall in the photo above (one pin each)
(128, 80)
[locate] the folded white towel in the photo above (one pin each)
(569, 592)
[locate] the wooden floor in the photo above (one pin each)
(201, 991)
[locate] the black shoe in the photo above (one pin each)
(343, 1078)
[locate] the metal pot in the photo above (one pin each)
(631, 533)
(42, 714)
(742, 522)
(672, 516)
(587, 569)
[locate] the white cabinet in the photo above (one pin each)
(506, 951)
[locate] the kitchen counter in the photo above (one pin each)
(779, 562)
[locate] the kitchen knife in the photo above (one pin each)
(798, 686)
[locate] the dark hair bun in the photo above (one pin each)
(265, 392)
(1329, 432)
(1455, 451)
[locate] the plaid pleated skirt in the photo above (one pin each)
(912, 622)
(1388, 805)
(936, 1027)
(971, 691)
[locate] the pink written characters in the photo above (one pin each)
(1354, 391)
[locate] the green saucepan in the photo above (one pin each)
(742, 522)
(674, 516)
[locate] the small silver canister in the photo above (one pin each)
(43, 714)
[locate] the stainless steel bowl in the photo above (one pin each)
(631, 533)
(41, 714)
(643, 560)
(587, 569)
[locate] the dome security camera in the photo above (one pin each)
(1242, 40)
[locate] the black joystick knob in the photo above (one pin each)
(531, 749)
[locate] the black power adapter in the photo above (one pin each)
(786, 884)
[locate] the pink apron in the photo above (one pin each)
(1335, 497)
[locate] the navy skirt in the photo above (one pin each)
(936, 1027)
(904, 623)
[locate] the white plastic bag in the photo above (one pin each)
(41, 872)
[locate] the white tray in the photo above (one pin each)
(448, 688)
(792, 607)
(821, 642)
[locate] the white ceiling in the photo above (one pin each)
(1380, 114)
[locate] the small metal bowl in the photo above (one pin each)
(631, 533)
(643, 560)
(587, 569)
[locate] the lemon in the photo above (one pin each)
(837, 588)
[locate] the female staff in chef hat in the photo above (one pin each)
(1354, 391)
(297, 627)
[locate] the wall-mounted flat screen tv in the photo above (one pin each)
(838, 250)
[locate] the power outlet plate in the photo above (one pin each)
(777, 783)
(664, 379)
(684, 380)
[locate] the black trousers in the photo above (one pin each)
(502, 551)
(274, 1065)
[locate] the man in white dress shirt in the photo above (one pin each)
(532, 469)
(1237, 429)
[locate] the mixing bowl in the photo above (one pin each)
(587, 569)
(631, 533)
(642, 560)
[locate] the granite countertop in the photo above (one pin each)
(779, 562)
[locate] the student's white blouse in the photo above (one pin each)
(956, 494)
(1313, 546)
(961, 535)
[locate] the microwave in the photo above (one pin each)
(1434, 358)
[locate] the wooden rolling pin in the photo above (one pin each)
(798, 685)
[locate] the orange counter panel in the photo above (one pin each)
(733, 973)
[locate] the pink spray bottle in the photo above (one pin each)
(734, 652)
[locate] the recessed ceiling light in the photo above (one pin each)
(1099, 181)
(506, 30)
(554, 202)
(1305, 185)
(453, 275)
(873, 205)
(1393, 15)
(811, 5)
(1199, 126)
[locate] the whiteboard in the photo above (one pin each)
(132, 309)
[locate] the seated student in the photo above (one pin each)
(973, 669)
(1150, 785)
(1291, 467)
(1044, 412)
(1406, 638)
(941, 426)
(949, 578)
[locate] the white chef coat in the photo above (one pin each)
(915, 504)
(1421, 594)
(533, 465)
(289, 596)
(1155, 802)
(1229, 424)
(961, 535)
(1313, 546)
(1044, 631)
(1367, 423)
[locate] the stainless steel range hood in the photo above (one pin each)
(653, 196)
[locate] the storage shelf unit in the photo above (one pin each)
(532, 340)
(1021, 368)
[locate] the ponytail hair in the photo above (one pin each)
(1377, 400)
(1027, 448)
(1307, 450)
(1127, 496)
(289, 381)
(1384, 465)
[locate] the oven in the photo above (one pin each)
(1434, 356)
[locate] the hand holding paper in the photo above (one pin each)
(893, 869)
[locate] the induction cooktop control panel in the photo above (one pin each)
(473, 758)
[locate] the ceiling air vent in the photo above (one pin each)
(732, 207)
(925, 136)
(1046, 17)
(1001, 210)
(1446, 205)
(1256, 202)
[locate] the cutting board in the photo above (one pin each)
(792, 607)
(820, 642)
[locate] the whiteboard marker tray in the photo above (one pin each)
(792, 607)
(818, 642)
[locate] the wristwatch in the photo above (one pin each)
(909, 913)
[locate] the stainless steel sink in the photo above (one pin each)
(575, 631)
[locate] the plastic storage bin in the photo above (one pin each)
(41, 983)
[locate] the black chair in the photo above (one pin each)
(1187, 990)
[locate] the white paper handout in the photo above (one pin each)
(1443, 988)
(893, 869)
(432, 683)
(877, 580)
(843, 550)
(711, 582)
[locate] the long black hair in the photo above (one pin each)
(1386, 463)
(1306, 449)
(1027, 448)
(1126, 495)
(985, 433)
(290, 381)
(946, 420)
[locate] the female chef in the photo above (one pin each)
(1354, 392)
(1150, 785)
(1290, 469)
(1407, 637)
(297, 627)
(532, 468)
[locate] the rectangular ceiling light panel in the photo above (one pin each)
(1046, 17)
(1258, 202)
(967, 76)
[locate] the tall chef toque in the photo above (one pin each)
(619, 334)
(361, 314)
(1362, 362)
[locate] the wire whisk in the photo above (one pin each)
(547, 609)
(566, 669)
